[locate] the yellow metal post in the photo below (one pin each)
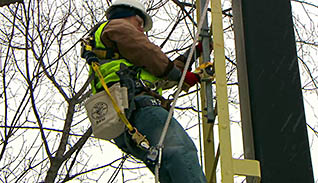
(227, 170)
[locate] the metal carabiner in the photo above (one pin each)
(150, 85)
(140, 139)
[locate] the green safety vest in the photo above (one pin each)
(110, 68)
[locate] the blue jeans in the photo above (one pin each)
(180, 162)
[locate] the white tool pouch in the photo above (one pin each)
(106, 123)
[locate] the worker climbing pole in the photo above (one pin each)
(127, 105)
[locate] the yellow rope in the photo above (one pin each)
(122, 116)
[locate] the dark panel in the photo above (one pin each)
(277, 111)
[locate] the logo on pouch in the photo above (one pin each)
(99, 111)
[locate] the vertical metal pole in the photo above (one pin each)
(207, 100)
(247, 128)
(275, 101)
(205, 38)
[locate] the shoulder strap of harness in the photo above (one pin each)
(89, 45)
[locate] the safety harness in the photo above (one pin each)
(95, 58)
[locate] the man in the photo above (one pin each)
(124, 39)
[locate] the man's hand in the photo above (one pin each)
(191, 79)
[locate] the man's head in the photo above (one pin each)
(130, 8)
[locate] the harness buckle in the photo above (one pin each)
(85, 46)
(140, 139)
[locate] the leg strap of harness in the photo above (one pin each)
(128, 78)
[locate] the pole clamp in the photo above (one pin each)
(206, 71)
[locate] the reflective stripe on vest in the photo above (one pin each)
(110, 68)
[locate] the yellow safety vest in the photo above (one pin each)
(110, 68)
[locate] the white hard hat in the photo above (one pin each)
(137, 5)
